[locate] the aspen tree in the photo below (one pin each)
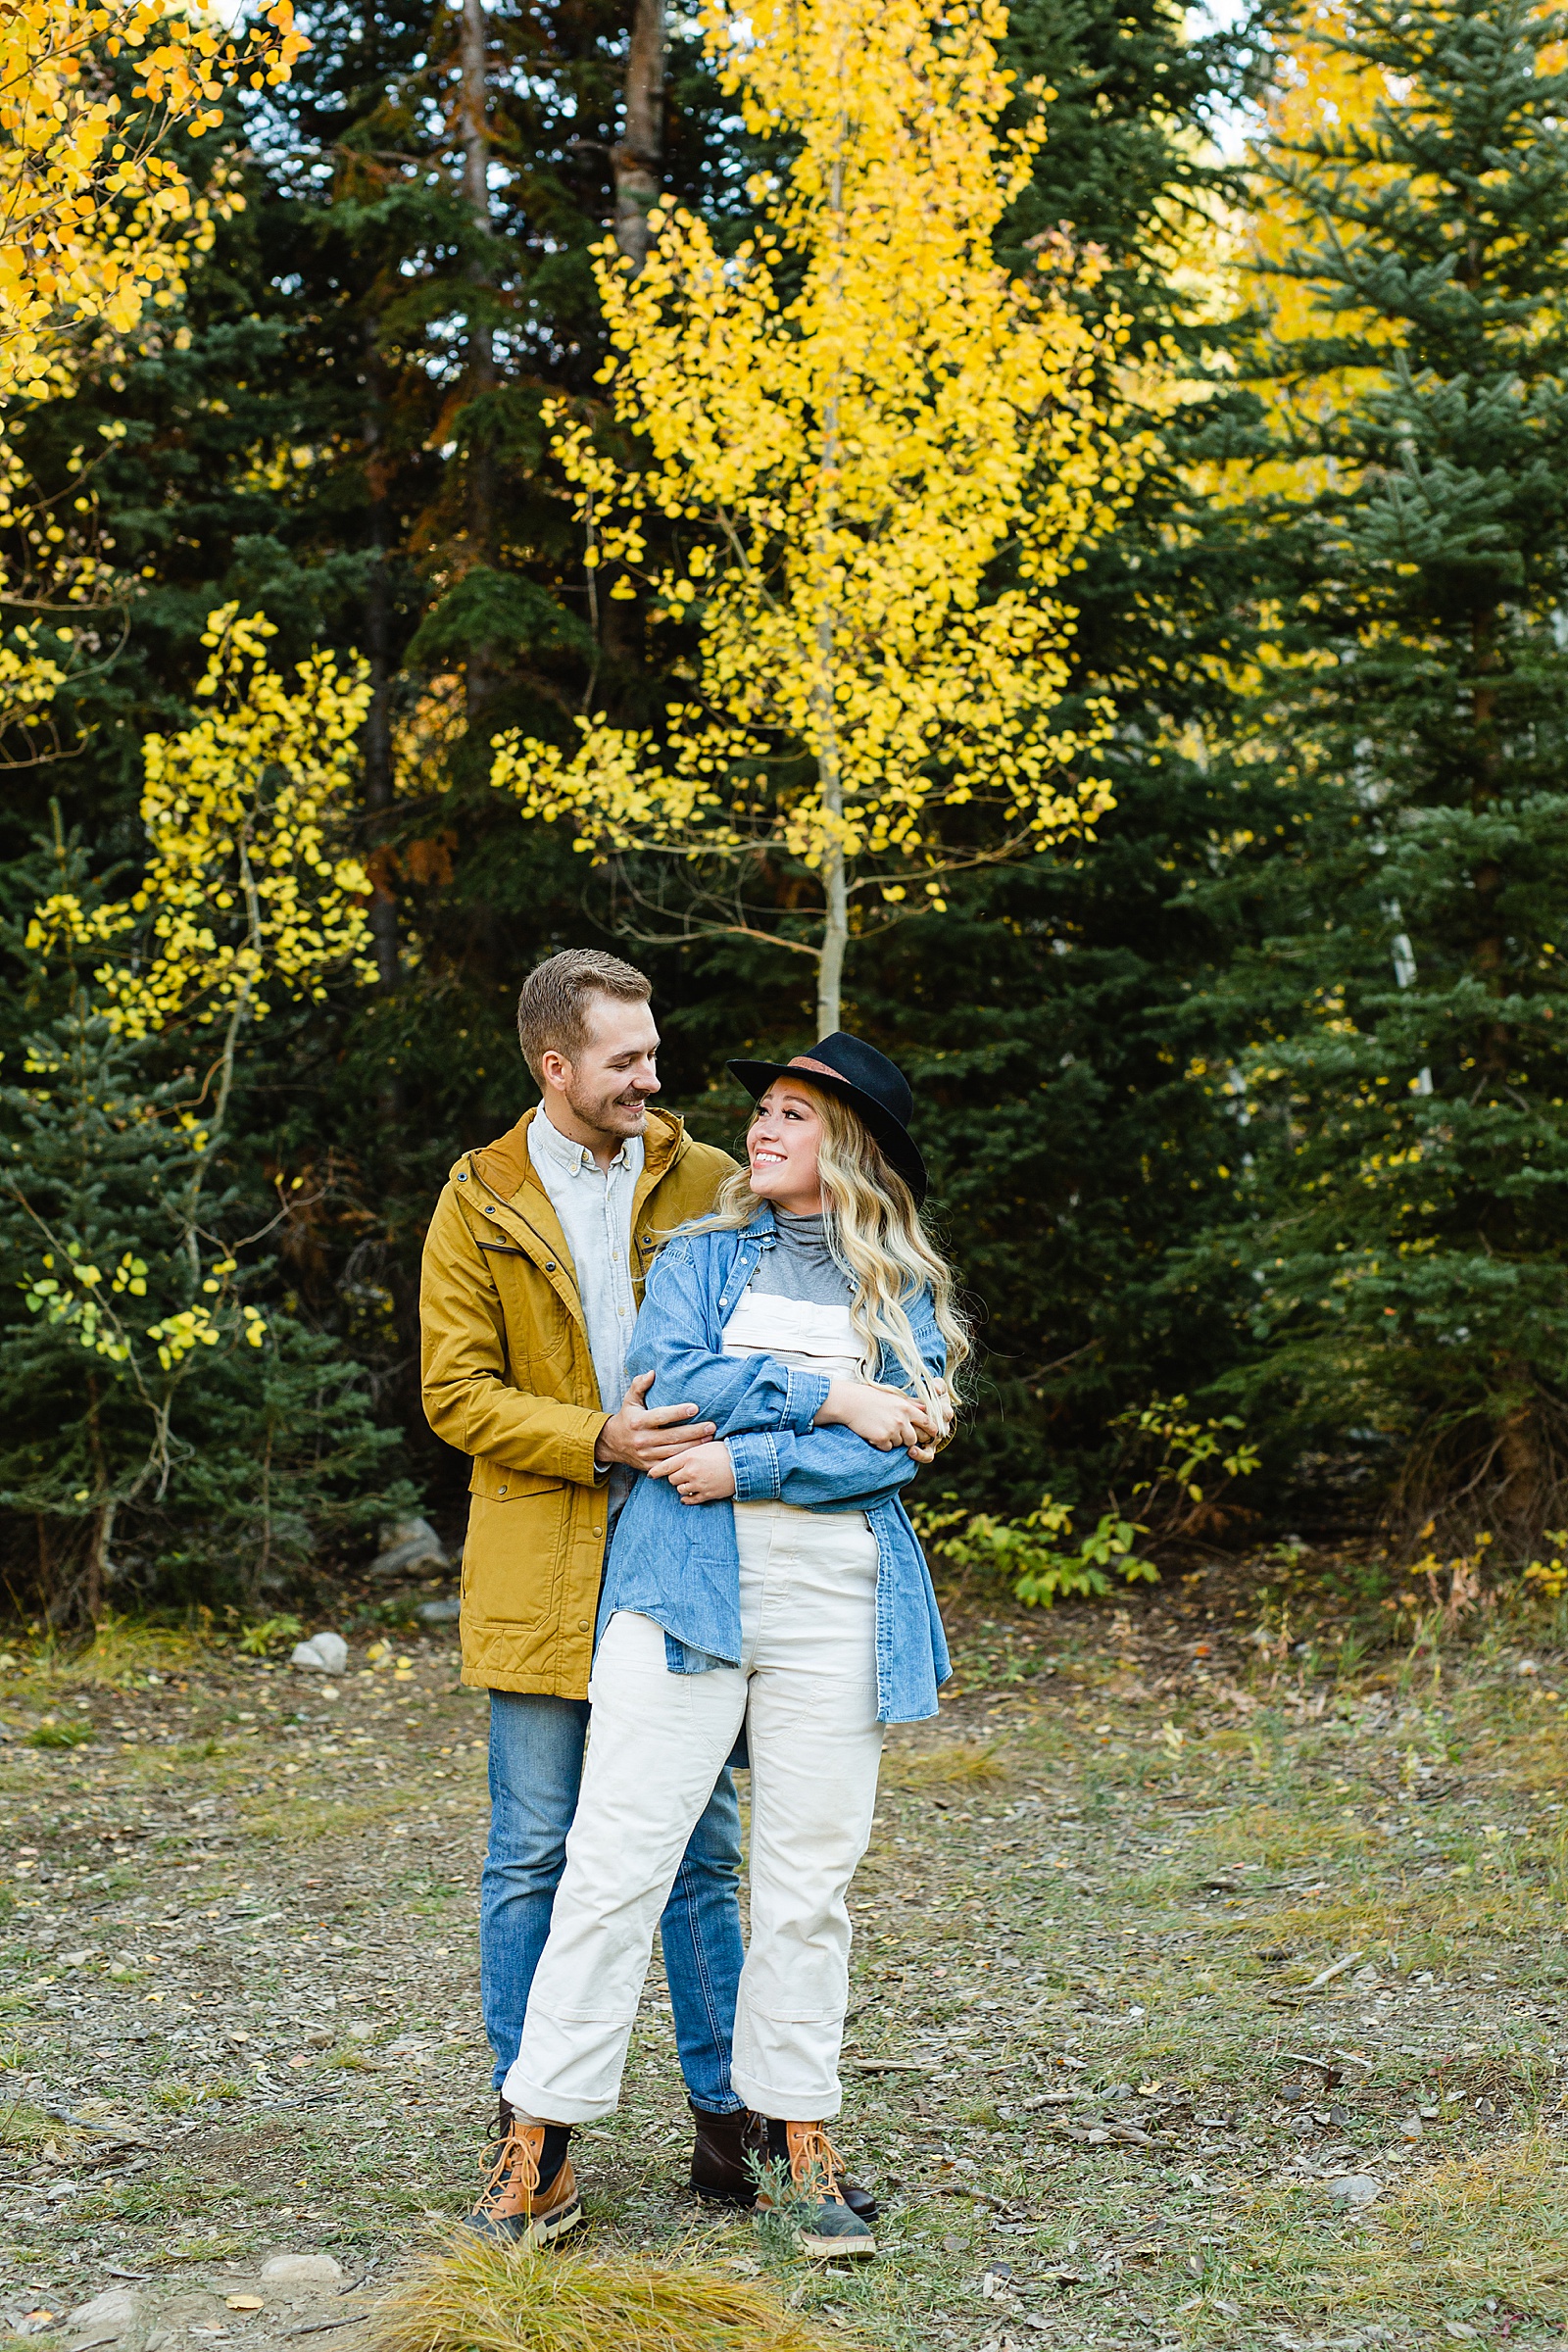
(851, 423)
(93, 219)
(117, 1184)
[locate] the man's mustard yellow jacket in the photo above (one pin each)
(508, 1378)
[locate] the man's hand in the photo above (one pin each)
(883, 1417)
(647, 1440)
(704, 1475)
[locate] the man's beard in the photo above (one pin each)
(603, 1115)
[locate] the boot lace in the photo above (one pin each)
(814, 2162)
(516, 2151)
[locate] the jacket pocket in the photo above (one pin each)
(497, 1484)
(538, 1326)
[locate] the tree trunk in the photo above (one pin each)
(98, 1562)
(104, 1519)
(475, 132)
(638, 159)
(829, 766)
(46, 1568)
(835, 937)
(1487, 877)
(474, 114)
(378, 645)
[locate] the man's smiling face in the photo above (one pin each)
(606, 1084)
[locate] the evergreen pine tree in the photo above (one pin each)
(1400, 1226)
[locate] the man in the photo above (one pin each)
(533, 1271)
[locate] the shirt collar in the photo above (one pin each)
(569, 1158)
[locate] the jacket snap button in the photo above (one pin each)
(550, 1265)
(500, 1489)
(463, 1177)
(582, 1625)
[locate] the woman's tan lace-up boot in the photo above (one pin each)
(513, 2204)
(828, 2229)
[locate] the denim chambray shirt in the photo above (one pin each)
(677, 1562)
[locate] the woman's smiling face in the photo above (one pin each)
(782, 1144)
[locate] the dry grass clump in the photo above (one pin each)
(489, 2298)
(303, 1820)
(959, 1763)
(26, 2128)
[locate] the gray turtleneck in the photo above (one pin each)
(800, 1265)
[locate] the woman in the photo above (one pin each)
(769, 1579)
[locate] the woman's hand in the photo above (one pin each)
(945, 1413)
(704, 1475)
(883, 1417)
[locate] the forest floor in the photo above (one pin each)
(1170, 1950)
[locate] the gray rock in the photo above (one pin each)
(407, 1544)
(304, 2269)
(1353, 2190)
(439, 1613)
(103, 2320)
(324, 1653)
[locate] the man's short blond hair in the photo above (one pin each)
(555, 1009)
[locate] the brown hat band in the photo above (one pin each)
(803, 1061)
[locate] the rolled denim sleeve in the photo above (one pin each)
(674, 1340)
(755, 1458)
(835, 1470)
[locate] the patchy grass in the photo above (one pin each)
(498, 2299)
(1102, 2061)
(1481, 2240)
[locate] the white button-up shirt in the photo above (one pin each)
(594, 1206)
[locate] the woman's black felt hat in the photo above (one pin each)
(875, 1088)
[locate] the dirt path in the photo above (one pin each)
(1092, 2074)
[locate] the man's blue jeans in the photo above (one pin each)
(536, 1748)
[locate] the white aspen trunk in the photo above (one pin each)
(98, 1561)
(637, 161)
(829, 767)
(473, 58)
(835, 937)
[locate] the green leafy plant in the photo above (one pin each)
(1197, 1461)
(271, 1632)
(60, 1735)
(1547, 1578)
(1036, 1553)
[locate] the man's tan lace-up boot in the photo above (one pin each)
(514, 2205)
(828, 2229)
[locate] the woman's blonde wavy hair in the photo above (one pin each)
(872, 1226)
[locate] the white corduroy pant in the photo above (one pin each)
(807, 1691)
